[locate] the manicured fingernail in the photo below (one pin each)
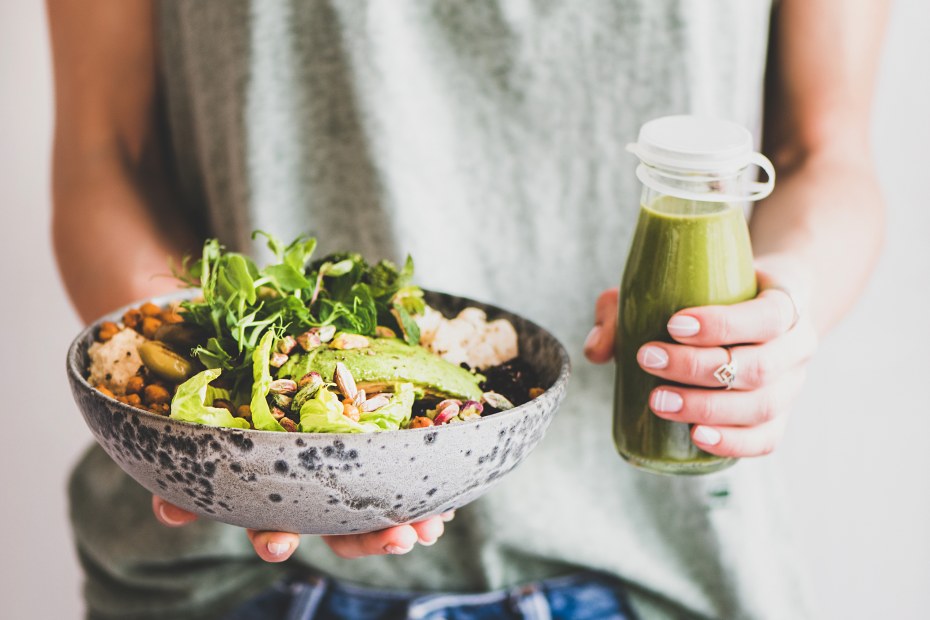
(666, 401)
(682, 326)
(428, 543)
(163, 513)
(653, 357)
(706, 435)
(277, 548)
(447, 516)
(593, 341)
(397, 549)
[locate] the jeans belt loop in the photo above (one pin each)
(530, 602)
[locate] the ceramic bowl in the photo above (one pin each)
(324, 483)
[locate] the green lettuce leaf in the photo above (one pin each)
(323, 414)
(191, 403)
(261, 375)
(396, 413)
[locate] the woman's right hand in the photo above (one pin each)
(279, 546)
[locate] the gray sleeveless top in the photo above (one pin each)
(487, 140)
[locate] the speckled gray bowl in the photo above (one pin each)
(324, 483)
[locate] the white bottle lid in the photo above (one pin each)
(684, 147)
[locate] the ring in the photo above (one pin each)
(794, 305)
(726, 373)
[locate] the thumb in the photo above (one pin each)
(599, 345)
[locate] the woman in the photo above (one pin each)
(486, 140)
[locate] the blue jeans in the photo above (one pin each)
(575, 597)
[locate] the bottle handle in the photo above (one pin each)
(762, 189)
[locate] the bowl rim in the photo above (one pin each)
(76, 374)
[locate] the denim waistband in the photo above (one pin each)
(321, 598)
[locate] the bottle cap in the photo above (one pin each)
(694, 146)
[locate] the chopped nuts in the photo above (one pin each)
(382, 331)
(497, 401)
(311, 377)
(359, 398)
(244, 411)
(282, 400)
(344, 380)
(327, 332)
(374, 403)
(420, 422)
(277, 413)
(350, 341)
(287, 344)
(282, 386)
(277, 359)
(288, 425)
(309, 340)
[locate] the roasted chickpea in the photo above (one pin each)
(156, 394)
(135, 385)
(108, 329)
(150, 325)
(132, 318)
(420, 422)
(149, 309)
(105, 391)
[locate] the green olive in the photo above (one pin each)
(180, 336)
(164, 362)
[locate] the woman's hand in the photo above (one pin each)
(279, 546)
(769, 344)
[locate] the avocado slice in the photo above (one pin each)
(385, 362)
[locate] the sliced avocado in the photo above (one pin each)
(385, 362)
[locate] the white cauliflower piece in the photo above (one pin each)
(468, 338)
(114, 362)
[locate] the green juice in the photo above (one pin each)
(685, 253)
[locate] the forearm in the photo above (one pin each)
(112, 235)
(822, 229)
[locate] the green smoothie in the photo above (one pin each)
(685, 253)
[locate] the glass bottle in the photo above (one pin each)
(691, 248)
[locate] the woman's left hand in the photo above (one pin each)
(769, 344)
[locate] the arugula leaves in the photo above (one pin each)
(243, 306)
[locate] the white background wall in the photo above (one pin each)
(857, 455)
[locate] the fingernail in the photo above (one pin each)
(654, 357)
(666, 401)
(707, 435)
(428, 543)
(593, 340)
(397, 549)
(276, 548)
(447, 516)
(683, 325)
(163, 513)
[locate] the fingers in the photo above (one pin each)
(169, 514)
(273, 546)
(761, 319)
(599, 345)
(740, 441)
(757, 365)
(394, 540)
(727, 408)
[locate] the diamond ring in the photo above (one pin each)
(726, 373)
